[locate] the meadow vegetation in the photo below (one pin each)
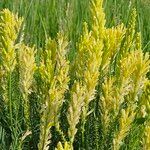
(74, 75)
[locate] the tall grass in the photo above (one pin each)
(47, 17)
(73, 76)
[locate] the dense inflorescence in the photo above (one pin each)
(95, 101)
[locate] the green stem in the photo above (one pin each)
(60, 132)
(10, 99)
(26, 110)
(83, 130)
(43, 139)
(44, 135)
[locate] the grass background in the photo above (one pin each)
(47, 17)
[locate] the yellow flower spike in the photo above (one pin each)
(132, 23)
(88, 59)
(54, 74)
(27, 68)
(112, 42)
(66, 146)
(142, 63)
(75, 108)
(9, 29)
(133, 69)
(10, 26)
(130, 32)
(125, 121)
(114, 38)
(87, 63)
(98, 19)
(109, 103)
(12, 22)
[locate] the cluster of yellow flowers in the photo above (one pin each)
(54, 74)
(108, 58)
(9, 28)
(27, 68)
